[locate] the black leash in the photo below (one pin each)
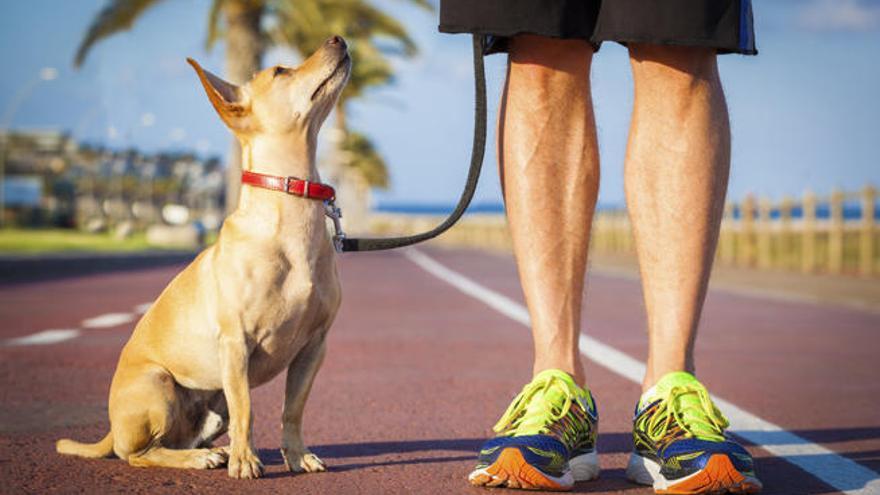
(477, 152)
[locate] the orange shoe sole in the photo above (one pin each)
(511, 470)
(718, 477)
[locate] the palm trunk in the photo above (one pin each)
(352, 192)
(338, 169)
(244, 57)
(341, 118)
(332, 169)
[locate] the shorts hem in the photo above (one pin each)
(683, 42)
(508, 33)
(500, 36)
(597, 41)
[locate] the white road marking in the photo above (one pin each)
(103, 321)
(837, 471)
(108, 320)
(43, 338)
(142, 308)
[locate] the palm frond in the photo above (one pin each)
(214, 29)
(366, 21)
(309, 22)
(365, 159)
(425, 4)
(371, 69)
(118, 15)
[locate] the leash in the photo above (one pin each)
(326, 193)
(478, 149)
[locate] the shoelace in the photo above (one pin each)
(547, 411)
(699, 419)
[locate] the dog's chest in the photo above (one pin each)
(300, 312)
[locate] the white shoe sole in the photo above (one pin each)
(647, 472)
(585, 467)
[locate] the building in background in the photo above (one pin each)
(49, 179)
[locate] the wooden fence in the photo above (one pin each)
(837, 234)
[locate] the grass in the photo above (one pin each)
(26, 241)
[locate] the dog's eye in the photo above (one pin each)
(279, 71)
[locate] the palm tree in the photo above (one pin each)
(356, 167)
(241, 23)
(244, 49)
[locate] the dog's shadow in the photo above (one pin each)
(371, 455)
(467, 447)
(272, 457)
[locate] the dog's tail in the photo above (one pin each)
(97, 450)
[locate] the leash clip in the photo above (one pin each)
(333, 211)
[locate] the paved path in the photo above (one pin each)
(425, 354)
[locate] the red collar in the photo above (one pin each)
(290, 185)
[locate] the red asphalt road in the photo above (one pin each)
(417, 373)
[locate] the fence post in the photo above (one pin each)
(612, 231)
(622, 232)
(808, 244)
(747, 231)
(835, 234)
(764, 252)
(615, 232)
(785, 244)
(727, 235)
(866, 236)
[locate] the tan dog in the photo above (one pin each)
(257, 302)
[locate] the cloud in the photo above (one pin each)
(840, 15)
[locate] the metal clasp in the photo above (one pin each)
(332, 211)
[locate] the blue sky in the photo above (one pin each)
(805, 112)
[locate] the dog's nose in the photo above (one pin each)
(336, 40)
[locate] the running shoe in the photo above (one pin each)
(680, 446)
(545, 441)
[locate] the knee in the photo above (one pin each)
(131, 440)
(673, 69)
(136, 429)
(548, 62)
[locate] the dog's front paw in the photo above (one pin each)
(306, 462)
(312, 463)
(245, 465)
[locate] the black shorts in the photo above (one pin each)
(725, 25)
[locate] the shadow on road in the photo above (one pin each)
(608, 443)
(779, 476)
(15, 270)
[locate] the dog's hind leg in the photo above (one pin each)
(145, 418)
(300, 375)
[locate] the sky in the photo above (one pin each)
(805, 113)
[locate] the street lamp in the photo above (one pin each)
(24, 92)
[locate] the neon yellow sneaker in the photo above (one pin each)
(680, 446)
(546, 440)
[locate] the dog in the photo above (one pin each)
(256, 303)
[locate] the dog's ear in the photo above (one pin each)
(226, 97)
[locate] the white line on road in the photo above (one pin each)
(108, 320)
(142, 308)
(44, 337)
(837, 471)
(54, 336)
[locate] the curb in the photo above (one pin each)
(16, 269)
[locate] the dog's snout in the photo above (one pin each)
(336, 41)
